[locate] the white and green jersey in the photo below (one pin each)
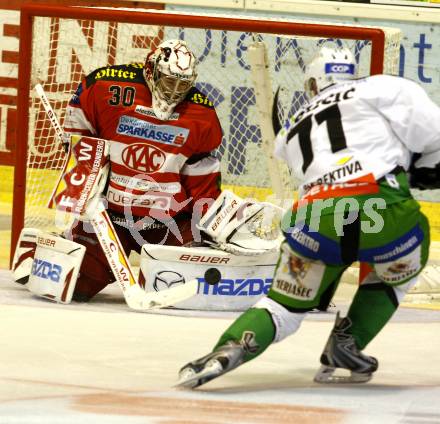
(357, 128)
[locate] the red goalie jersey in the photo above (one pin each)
(158, 168)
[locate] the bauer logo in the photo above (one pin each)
(143, 157)
(238, 287)
(46, 270)
(167, 279)
(339, 68)
(166, 134)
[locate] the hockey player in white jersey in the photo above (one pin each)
(357, 146)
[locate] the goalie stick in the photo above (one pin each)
(135, 297)
(176, 294)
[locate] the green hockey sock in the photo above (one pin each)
(254, 328)
(372, 307)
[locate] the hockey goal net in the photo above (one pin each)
(59, 45)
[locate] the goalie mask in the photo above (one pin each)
(329, 66)
(170, 72)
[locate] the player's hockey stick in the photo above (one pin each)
(135, 296)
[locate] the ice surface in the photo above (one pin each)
(102, 363)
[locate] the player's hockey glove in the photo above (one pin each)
(422, 174)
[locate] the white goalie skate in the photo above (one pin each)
(219, 362)
(341, 352)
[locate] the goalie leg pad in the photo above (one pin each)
(244, 279)
(55, 267)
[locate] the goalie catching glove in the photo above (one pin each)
(241, 226)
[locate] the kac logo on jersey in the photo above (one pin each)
(46, 270)
(166, 134)
(339, 68)
(143, 157)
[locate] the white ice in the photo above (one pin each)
(102, 363)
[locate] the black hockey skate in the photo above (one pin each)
(219, 362)
(341, 352)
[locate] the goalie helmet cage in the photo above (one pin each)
(61, 44)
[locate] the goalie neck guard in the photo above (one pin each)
(170, 72)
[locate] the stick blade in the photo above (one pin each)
(162, 299)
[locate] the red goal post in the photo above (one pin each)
(59, 45)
